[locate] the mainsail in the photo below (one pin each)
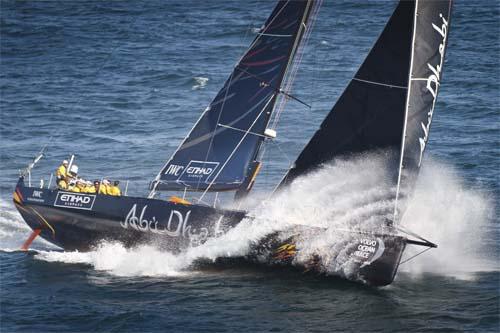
(390, 101)
(220, 151)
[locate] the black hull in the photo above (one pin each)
(75, 221)
(78, 221)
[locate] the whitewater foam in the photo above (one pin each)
(14, 231)
(200, 82)
(458, 218)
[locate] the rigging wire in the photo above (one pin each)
(290, 79)
(226, 93)
(414, 256)
(408, 232)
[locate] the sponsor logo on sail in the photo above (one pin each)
(74, 200)
(195, 170)
(198, 170)
(174, 170)
(433, 82)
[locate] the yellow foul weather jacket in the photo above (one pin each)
(61, 172)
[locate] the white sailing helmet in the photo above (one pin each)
(65, 162)
(74, 169)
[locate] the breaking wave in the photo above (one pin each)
(340, 196)
(200, 82)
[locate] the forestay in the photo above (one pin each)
(220, 149)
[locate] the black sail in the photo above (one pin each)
(370, 112)
(220, 149)
(430, 40)
(390, 101)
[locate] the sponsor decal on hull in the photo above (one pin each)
(74, 200)
(176, 226)
(368, 250)
(36, 196)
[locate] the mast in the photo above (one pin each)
(219, 150)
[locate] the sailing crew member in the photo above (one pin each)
(81, 185)
(62, 184)
(115, 189)
(104, 188)
(72, 186)
(61, 173)
(96, 187)
(89, 187)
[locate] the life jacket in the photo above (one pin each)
(61, 172)
(73, 188)
(103, 189)
(62, 184)
(90, 189)
(114, 190)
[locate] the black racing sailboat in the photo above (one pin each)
(388, 105)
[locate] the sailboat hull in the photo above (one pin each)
(369, 258)
(77, 221)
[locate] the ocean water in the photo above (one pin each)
(120, 84)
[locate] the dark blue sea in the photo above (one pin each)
(120, 83)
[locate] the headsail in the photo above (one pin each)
(391, 96)
(430, 39)
(370, 112)
(220, 150)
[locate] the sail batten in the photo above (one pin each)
(214, 157)
(380, 83)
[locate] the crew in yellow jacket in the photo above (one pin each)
(72, 186)
(61, 173)
(104, 188)
(115, 189)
